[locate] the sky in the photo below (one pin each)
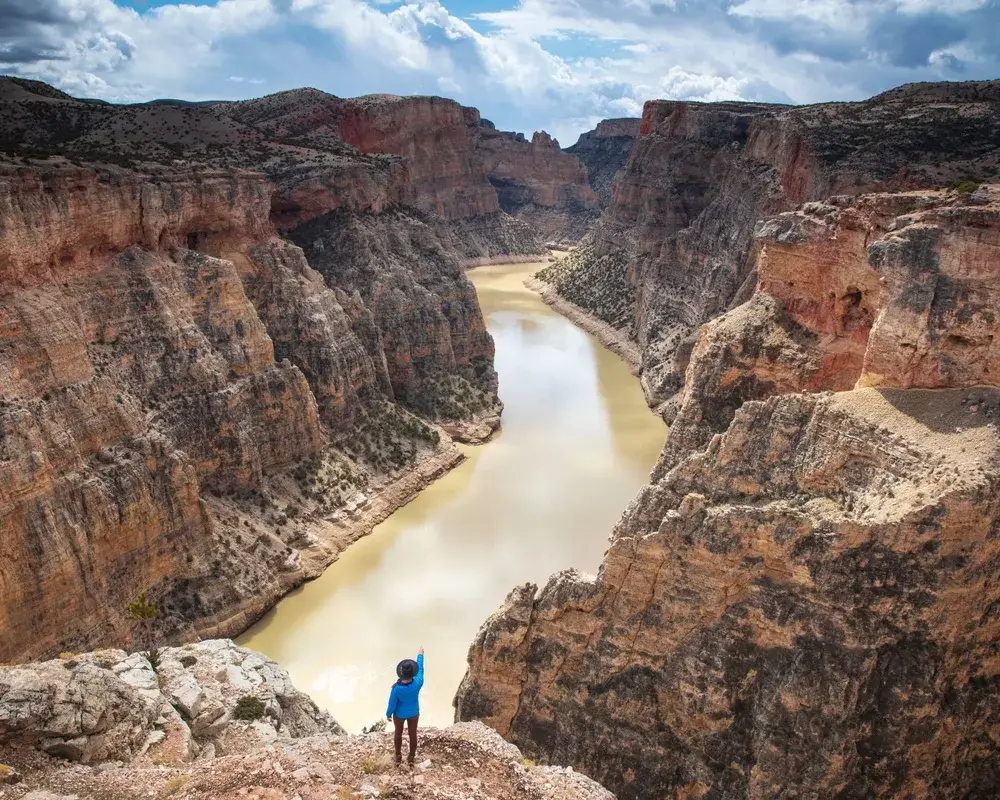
(554, 65)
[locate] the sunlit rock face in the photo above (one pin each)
(800, 602)
(803, 606)
(135, 378)
(675, 248)
(878, 290)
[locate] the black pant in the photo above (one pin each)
(411, 725)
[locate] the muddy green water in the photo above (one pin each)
(577, 443)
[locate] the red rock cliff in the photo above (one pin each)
(57, 224)
(537, 181)
(431, 133)
(133, 378)
(679, 231)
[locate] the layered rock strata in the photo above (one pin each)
(604, 151)
(225, 329)
(151, 423)
(675, 248)
(800, 602)
(805, 607)
(536, 181)
(879, 290)
(213, 720)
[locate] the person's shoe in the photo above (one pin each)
(399, 760)
(410, 760)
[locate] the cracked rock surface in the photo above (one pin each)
(105, 726)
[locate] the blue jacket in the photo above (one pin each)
(404, 697)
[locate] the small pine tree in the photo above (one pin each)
(141, 613)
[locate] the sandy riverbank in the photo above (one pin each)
(612, 338)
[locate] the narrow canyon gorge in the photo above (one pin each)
(225, 331)
(237, 337)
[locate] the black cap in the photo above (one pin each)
(406, 668)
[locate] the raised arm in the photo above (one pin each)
(393, 701)
(419, 678)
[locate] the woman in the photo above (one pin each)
(404, 703)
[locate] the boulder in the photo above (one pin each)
(80, 709)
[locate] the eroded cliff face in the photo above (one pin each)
(604, 152)
(194, 405)
(493, 194)
(805, 607)
(536, 181)
(431, 133)
(675, 248)
(133, 383)
(878, 290)
(437, 352)
(800, 603)
(58, 222)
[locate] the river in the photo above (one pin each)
(578, 441)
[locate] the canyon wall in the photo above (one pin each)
(227, 331)
(800, 603)
(604, 152)
(805, 607)
(675, 247)
(435, 156)
(536, 181)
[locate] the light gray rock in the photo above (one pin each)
(980, 197)
(41, 794)
(265, 731)
(188, 698)
(77, 709)
(113, 705)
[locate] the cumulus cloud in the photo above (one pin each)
(561, 65)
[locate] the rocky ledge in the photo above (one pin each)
(214, 720)
(806, 607)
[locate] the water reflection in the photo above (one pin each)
(578, 442)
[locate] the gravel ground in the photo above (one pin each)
(467, 760)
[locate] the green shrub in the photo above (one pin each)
(965, 187)
(249, 708)
(141, 613)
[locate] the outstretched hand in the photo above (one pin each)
(421, 650)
